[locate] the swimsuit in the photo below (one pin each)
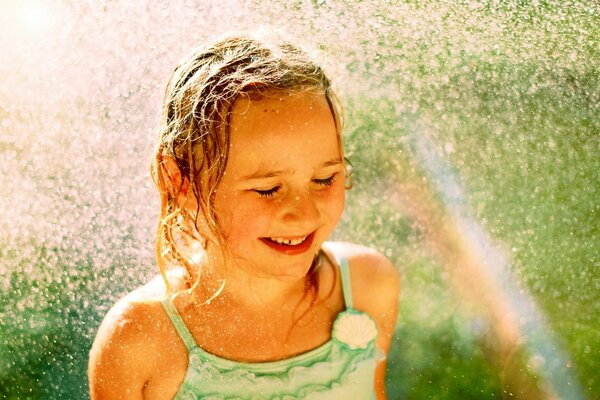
(341, 368)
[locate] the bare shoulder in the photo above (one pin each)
(124, 351)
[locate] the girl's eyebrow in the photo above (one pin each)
(335, 161)
(263, 173)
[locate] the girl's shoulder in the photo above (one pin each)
(375, 285)
(138, 310)
(368, 268)
(131, 342)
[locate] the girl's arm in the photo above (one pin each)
(119, 358)
(385, 290)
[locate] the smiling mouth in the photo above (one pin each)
(296, 245)
(289, 242)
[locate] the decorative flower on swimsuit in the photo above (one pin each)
(354, 329)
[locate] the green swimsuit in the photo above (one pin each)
(342, 368)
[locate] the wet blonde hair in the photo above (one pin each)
(194, 131)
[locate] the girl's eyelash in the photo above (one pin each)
(267, 193)
(325, 181)
(271, 192)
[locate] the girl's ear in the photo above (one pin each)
(174, 182)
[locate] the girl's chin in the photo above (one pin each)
(280, 271)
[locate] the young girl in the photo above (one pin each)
(252, 178)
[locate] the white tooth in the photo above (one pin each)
(289, 242)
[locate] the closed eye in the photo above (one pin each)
(267, 193)
(325, 181)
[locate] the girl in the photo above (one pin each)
(252, 178)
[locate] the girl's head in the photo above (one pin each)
(211, 91)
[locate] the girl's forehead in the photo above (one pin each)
(277, 101)
(282, 129)
(280, 114)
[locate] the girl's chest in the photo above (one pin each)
(265, 338)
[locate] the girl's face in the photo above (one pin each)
(283, 189)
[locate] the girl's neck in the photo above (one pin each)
(263, 294)
(238, 287)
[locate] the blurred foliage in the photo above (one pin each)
(52, 318)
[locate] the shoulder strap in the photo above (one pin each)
(345, 276)
(346, 283)
(179, 324)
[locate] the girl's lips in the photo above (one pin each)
(290, 249)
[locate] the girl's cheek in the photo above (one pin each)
(334, 199)
(339, 191)
(256, 212)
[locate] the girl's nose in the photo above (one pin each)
(301, 209)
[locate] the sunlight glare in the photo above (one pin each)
(26, 18)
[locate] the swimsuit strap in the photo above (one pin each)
(179, 324)
(346, 284)
(344, 274)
